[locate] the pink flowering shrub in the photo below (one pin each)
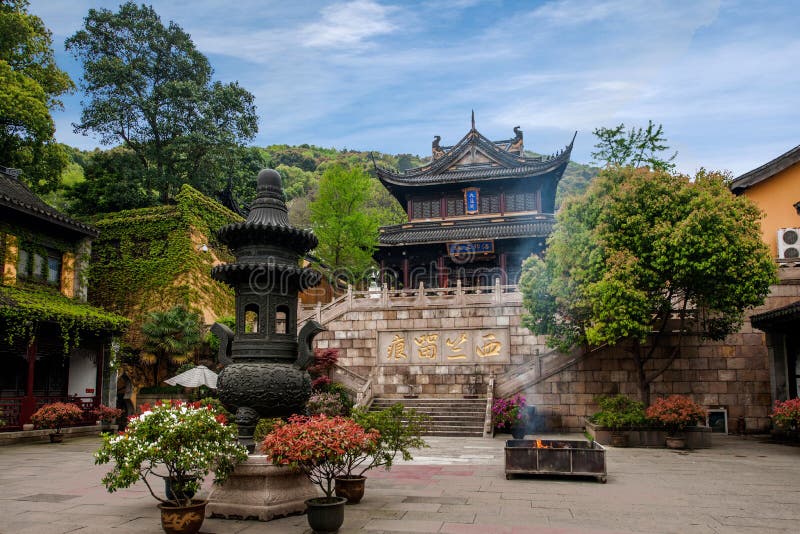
(786, 414)
(507, 412)
(107, 414)
(676, 412)
(57, 415)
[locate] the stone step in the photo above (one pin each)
(448, 417)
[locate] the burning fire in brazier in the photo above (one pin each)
(555, 457)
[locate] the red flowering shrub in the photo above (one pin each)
(107, 414)
(57, 415)
(786, 414)
(320, 383)
(318, 446)
(676, 412)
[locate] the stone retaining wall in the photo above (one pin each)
(355, 334)
(733, 374)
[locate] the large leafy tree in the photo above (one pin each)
(114, 180)
(634, 146)
(644, 256)
(170, 337)
(150, 89)
(30, 86)
(346, 228)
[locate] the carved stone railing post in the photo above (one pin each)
(459, 293)
(498, 291)
(349, 297)
(319, 312)
(421, 293)
(488, 429)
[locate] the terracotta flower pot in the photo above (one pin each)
(676, 442)
(325, 515)
(351, 488)
(183, 519)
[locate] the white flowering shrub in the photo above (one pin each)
(175, 440)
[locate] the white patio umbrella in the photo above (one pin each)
(195, 377)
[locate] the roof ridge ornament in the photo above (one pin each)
(473, 119)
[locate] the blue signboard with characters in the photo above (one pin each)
(476, 247)
(471, 200)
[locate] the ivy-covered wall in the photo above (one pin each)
(152, 259)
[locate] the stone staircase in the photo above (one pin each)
(448, 417)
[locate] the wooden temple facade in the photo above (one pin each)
(475, 212)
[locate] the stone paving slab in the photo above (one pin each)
(457, 486)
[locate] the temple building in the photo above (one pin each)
(53, 345)
(475, 212)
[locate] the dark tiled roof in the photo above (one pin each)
(769, 169)
(16, 195)
(506, 164)
(436, 232)
(777, 316)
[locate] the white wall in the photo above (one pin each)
(82, 374)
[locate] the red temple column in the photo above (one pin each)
(405, 273)
(442, 274)
(29, 402)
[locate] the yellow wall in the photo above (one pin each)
(9, 273)
(776, 196)
(68, 274)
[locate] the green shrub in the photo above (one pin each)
(619, 412)
(217, 406)
(344, 396)
(264, 427)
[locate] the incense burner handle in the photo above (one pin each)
(305, 353)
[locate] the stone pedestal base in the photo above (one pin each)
(259, 490)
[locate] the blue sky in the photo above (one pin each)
(722, 76)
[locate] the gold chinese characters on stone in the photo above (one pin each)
(427, 346)
(397, 349)
(443, 347)
(456, 347)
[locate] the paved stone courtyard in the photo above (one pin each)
(456, 486)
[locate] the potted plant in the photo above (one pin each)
(318, 446)
(107, 416)
(618, 413)
(175, 441)
(57, 415)
(399, 430)
(786, 416)
(508, 415)
(675, 413)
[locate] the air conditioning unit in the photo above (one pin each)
(788, 243)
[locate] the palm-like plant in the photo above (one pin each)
(170, 336)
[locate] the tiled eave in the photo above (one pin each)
(501, 227)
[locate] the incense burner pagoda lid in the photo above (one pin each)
(268, 221)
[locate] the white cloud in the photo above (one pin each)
(348, 25)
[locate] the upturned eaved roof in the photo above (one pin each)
(16, 196)
(769, 169)
(501, 227)
(777, 319)
(502, 164)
